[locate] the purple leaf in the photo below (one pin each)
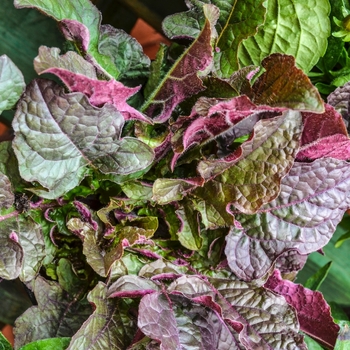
(130, 286)
(182, 80)
(324, 135)
(251, 176)
(7, 197)
(109, 327)
(312, 201)
(313, 312)
(291, 262)
(251, 310)
(275, 88)
(85, 214)
(101, 92)
(340, 99)
(58, 314)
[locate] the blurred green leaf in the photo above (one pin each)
(315, 281)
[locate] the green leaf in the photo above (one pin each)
(109, 327)
(312, 344)
(253, 177)
(238, 21)
(342, 239)
(293, 27)
(72, 137)
(314, 282)
(85, 13)
(58, 314)
(125, 52)
(11, 83)
(189, 233)
(4, 344)
(51, 58)
(48, 344)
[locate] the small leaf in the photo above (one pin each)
(12, 84)
(71, 61)
(314, 282)
(343, 341)
(58, 314)
(109, 327)
(298, 28)
(313, 311)
(7, 197)
(48, 344)
(182, 80)
(274, 88)
(339, 99)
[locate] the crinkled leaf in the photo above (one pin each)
(299, 28)
(339, 99)
(81, 24)
(101, 92)
(314, 282)
(177, 323)
(275, 87)
(324, 135)
(58, 314)
(238, 21)
(62, 133)
(12, 83)
(71, 61)
(182, 80)
(161, 268)
(291, 262)
(131, 287)
(170, 190)
(109, 327)
(313, 311)
(6, 195)
(263, 320)
(253, 177)
(124, 51)
(48, 344)
(220, 119)
(23, 248)
(312, 201)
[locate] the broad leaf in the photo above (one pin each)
(312, 201)
(299, 28)
(12, 83)
(74, 134)
(238, 21)
(101, 92)
(81, 24)
(125, 52)
(58, 314)
(275, 88)
(71, 61)
(109, 327)
(253, 174)
(182, 80)
(313, 312)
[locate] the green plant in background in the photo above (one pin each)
(171, 204)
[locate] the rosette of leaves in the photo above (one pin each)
(173, 219)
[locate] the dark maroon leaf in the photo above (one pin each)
(313, 312)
